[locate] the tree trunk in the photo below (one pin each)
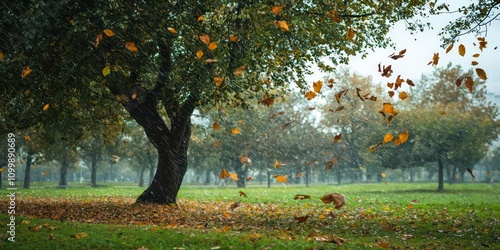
(151, 167)
(93, 168)
(27, 170)
(63, 171)
(412, 174)
(339, 175)
(440, 174)
(141, 175)
(308, 175)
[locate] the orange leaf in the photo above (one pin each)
(317, 86)
(389, 109)
(215, 126)
(233, 176)
(212, 46)
(350, 34)
(362, 168)
(481, 74)
(235, 131)
(476, 55)
(108, 32)
(337, 138)
(402, 138)
(335, 16)
(461, 50)
(298, 175)
(218, 81)
(200, 18)
(383, 175)
(281, 178)
(1, 55)
(246, 160)
(310, 95)
(239, 71)
(234, 38)
(131, 46)
(224, 174)
(46, 106)
(435, 59)
(474, 63)
(172, 30)
(337, 198)
(205, 39)
(301, 197)
(388, 138)
(403, 95)
(266, 101)
(277, 164)
(277, 9)
(27, 137)
(217, 143)
(282, 25)
(199, 54)
(449, 48)
(26, 72)
(469, 83)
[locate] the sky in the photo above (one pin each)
(421, 47)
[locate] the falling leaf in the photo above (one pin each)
(337, 198)
(249, 178)
(277, 9)
(131, 46)
(317, 86)
(389, 109)
(339, 109)
(210, 61)
(277, 164)
(481, 73)
(311, 108)
(469, 83)
(1, 55)
(282, 25)
(286, 124)
(246, 160)
(302, 218)
(310, 95)
(172, 30)
(310, 162)
(26, 72)
(217, 143)
(212, 46)
(461, 50)
(482, 43)
(218, 81)
(281, 178)
(474, 63)
(402, 138)
(339, 95)
(337, 138)
(383, 175)
(239, 71)
(362, 168)
(27, 137)
(106, 71)
(277, 113)
(391, 93)
(233, 38)
(410, 82)
(205, 39)
(298, 175)
(215, 126)
(200, 18)
(386, 71)
(435, 59)
(350, 34)
(470, 172)
(134, 95)
(46, 106)
(266, 101)
(199, 54)
(401, 54)
(449, 48)
(403, 95)
(242, 194)
(388, 138)
(45, 173)
(108, 32)
(334, 161)
(224, 174)
(301, 197)
(235, 131)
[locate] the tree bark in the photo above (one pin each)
(63, 171)
(95, 158)
(27, 170)
(440, 174)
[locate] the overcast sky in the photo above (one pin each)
(421, 47)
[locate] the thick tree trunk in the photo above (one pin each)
(93, 168)
(63, 171)
(440, 174)
(27, 170)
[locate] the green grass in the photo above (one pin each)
(465, 216)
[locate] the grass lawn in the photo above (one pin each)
(392, 215)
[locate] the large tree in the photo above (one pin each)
(175, 56)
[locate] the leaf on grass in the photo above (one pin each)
(301, 197)
(218, 81)
(336, 198)
(302, 218)
(46, 106)
(205, 39)
(200, 18)
(277, 9)
(172, 30)
(26, 72)
(239, 71)
(283, 25)
(199, 54)
(234, 205)
(212, 46)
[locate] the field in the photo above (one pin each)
(386, 215)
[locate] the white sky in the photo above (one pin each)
(421, 47)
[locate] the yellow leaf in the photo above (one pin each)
(449, 48)
(403, 95)
(199, 54)
(235, 131)
(277, 164)
(317, 86)
(481, 74)
(46, 106)
(205, 39)
(218, 81)
(131, 46)
(200, 18)
(388, 138)
(26, 72)
(401, 138)
(277, 9)
(310, 95)
(389, 109)
(233, 176)
(172, 30)
(234, 38)
(212, 46)
(282, 25)
(106, 71)
(435, 59)
(27, 137)
(108, 32)
(350, 34)
(461, 49)
(362, 168)
(383, 175)
(224, 174)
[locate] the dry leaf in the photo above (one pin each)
(235, 131)
(310, 95)
(282, 25)
(233, 38)
(402, 138)
(277, 9)
(108, 32)
(388, 138)
(46, 106)
(131, 46)
(212, 46)
(239, 71)
(281, 178)
(470, 172)
(172, 30)
(205, 39)
(301, 197)
(215, 126)
(337, 138)
(337, 198)
(481, 74)
(335, 16)
(199, 54)
(461, 50)
(224, 174)
(403, 95)
(218, 81)
(26, 72)
(200, 18)
(217, 143)
(317, 86)
(242, 194)
(301, 219)
(350, 34)
(449, 48)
